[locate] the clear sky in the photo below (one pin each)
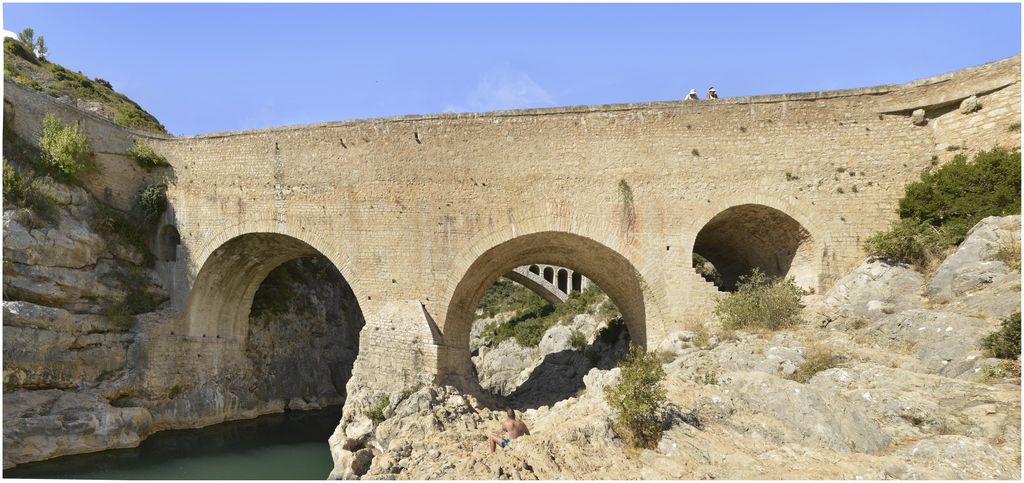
(204, 68)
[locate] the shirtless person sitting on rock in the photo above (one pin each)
(514, 427)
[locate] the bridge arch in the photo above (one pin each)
(773, 237)
(230, 271)
(604, 266)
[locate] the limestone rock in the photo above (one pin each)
(937, 339)
(972, 266)
(808, 416)
(46, 424)
(917, 117)
(970, 105)
(876, 289)
(955, 457)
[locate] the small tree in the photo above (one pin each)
(27, 37)
(637, 399)
(65, 149)
(41, 49)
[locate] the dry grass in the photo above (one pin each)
(1009, 253)
(817, 358)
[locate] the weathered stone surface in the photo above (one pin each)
(917, 117)
(972, 265)
(46, 424)
(876, 289)
(940, 340)
(969, 105)
(807, 415)
(71, 244)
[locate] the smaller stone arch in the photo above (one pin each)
(549, 274)
(167, 243)
(535, 269)
(563, 280)
(577, 282)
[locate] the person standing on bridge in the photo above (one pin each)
(712, 94)
(692, 96)
(514, 427)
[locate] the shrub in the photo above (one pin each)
(376, 411)
(19, 49)
(14, 187)
(65, 150)
(817, 359)
(577, 340)
(761, 302)
(145, 157)
(1005, 342)
(637, 399)
(151, 202)
(910, 241)
(961, 193)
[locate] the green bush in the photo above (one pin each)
(14, 187)
(151, 202)
(19, 49)
(1005, 342)
(145, 156)
(912, 241)
(65, 150)
(508, 296)
(961, 193)
(376, 411)
(637, 398)
(761, 302)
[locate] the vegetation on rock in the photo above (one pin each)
(22, 65)
(145, 156)
(1005, 342)
(761, 303)
(817, 358)
(637, 399)
(65, 150)
(938, 210)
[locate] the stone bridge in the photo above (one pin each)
(421, 214)
(553, 284)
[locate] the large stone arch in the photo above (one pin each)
(230, 270)
(773, 236)
(610, 270)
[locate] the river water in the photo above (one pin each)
(291, 446)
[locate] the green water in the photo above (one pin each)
(291, 446)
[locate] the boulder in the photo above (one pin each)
(806, 415)
(972, 266)
(876, 289)
(917, 117)
(970, 105)
(938, 339)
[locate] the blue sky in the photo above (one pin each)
(204, 68)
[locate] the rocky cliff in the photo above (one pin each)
(907, 394)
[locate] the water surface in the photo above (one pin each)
(291, 446)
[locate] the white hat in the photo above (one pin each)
(693, 91)
(712, 89)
